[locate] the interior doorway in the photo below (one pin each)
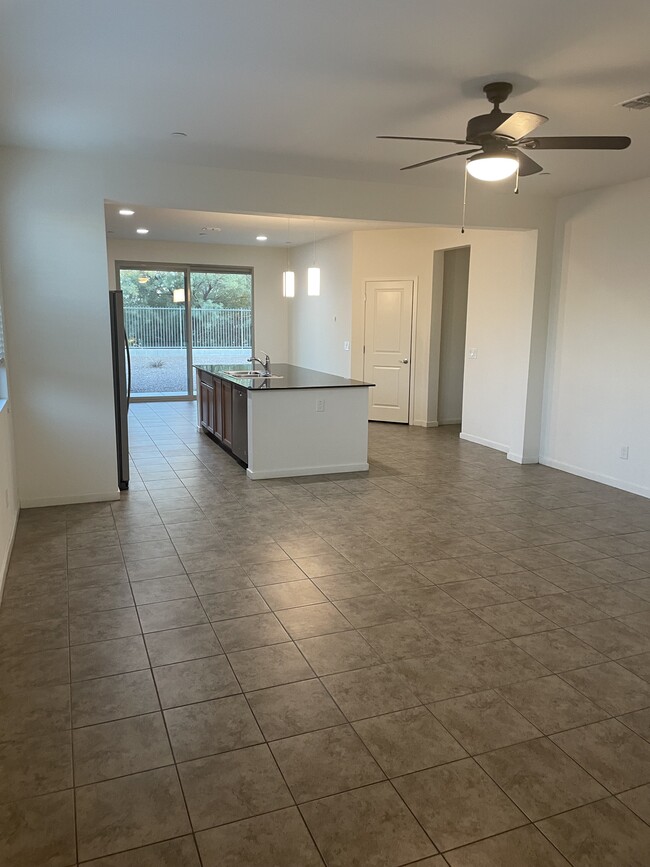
(388, 348)
(453, 335)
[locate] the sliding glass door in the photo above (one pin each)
(174, 314)
(221, 316)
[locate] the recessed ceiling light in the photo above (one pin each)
(261, 238)
(126, 212)
(142, 231)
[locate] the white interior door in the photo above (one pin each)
(387, 362)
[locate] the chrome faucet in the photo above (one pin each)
(266, 364)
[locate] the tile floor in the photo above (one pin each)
(444, 661)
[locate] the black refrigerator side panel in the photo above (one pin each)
(120, 388)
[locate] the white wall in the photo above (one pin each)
(453, 326)
(320, 325)
(597, 384)
(53, 254)
(503, 282)
(8, 488)
(269, 308)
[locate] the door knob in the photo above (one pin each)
(405, 361)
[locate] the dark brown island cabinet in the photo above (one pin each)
(223, 413)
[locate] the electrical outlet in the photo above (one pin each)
(624, 453)
(473, 353)
(320, 406)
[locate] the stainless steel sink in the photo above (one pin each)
(252, 374)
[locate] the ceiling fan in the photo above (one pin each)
(498, 137)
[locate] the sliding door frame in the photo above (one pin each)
(187, 270)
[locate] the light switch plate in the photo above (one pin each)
(346, 345)
(473, 353)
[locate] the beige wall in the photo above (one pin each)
(54, 262)
(502, 287)
(597, 381)
(320, 325)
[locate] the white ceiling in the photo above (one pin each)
(200, 227)
(304, 86)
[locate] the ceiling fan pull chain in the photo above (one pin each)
(462, 228)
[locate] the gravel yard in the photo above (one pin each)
(164, 371)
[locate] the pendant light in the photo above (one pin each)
(313, 273)
(288, 276)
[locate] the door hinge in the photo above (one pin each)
(364, 350)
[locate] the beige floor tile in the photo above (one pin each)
(179, 645)
(638, 800)
(35, 766)
(108, 698)
(551, 704)
(122, 747)
(611, 687)
(370, 825)
(366, 692)
(269, 666)
(231, 786)
(104, 658)
(324, 762)
(38, 831)
(458, 803)
(540, 778)
(604, 834)
(294, 708)
(523, 846)
(279, 838)
(617, 757)
(180, 852)
(129, 811)
(407, 741)
(195, 680)
(483, 721)
(243, 633)
(559, 650)
(211, 727)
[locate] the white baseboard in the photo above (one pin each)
(449, 421)
(483, 442)
(69, 501)
(521, 459)
(419, 423)
(641, 490)
(307, 471)
(4, 567)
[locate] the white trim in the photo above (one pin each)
(307, 471)
(483, 442)
(449, 420)
(7, 556)
(612, 482)
(420, 423)
(69, 501)
(520, 459)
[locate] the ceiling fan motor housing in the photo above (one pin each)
(483, 125)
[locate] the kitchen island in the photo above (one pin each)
(296, 422)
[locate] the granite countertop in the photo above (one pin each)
(289, 375)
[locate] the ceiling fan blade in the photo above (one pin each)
(437, 159)
(579, 142)
(526, 165)
(520, 124)
(419, 138)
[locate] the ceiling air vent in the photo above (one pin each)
(637, 102)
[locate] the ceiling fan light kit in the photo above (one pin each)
(492, 167)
